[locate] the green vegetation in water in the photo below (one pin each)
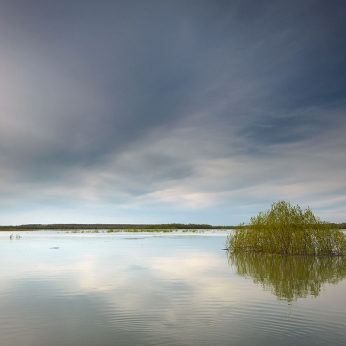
(17, 237)
(137, 230)
(287, 230)
(289, 277)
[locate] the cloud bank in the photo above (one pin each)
(175, 111)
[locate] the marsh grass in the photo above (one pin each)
(287, 230)
(17, 236)
(143, 230)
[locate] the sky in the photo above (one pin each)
(171, 111)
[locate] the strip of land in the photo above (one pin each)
(138, 227)
(172, 226)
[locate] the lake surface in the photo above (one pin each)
(59, 288)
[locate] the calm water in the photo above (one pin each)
(163, 289)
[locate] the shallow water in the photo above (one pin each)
(163, 289)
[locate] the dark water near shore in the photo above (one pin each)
(163, 289)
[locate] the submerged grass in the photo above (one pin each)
(288, 230)
(17, 237)
(144, 230)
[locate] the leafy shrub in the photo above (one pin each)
(288, 230)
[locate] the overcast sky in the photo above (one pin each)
(171, 111)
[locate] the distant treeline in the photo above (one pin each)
(112, 226)
(338, 225)
(81, 226)
(330, 224)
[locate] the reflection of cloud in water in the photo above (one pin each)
(126, 297)
(290, 277)
(159, 291)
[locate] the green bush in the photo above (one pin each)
(288, 230)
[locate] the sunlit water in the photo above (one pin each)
(163, 289)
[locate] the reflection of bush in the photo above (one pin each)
(290, 277)
(286, 229)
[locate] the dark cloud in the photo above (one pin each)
(136, 98)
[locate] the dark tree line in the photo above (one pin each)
(112, 226)
(32, 227)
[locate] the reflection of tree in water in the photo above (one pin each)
(287, 277)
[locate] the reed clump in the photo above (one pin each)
(287, 230)
(13, 237)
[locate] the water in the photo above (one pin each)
(163, 289)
